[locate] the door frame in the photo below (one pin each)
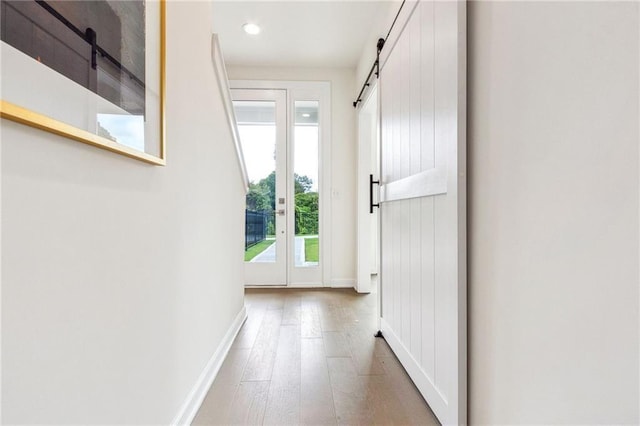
(368, 146)
(302, 90)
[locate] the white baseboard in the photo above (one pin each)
(343, 283)
(192, 403)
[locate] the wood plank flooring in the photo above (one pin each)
(308, 357)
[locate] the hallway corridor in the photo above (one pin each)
(309, 357)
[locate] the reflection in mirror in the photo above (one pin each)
(102, 57)
(124, 129)
(100, 44)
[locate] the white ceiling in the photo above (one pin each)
(295, 33)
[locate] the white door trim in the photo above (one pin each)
(368, 135)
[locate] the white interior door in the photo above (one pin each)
(262, 125)
(423, 201)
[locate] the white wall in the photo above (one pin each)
(553, 154)
(343, 156)
(119, 279)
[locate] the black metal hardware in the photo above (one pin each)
(61, 18)
(376, 64)
(379, 46)
(90, 37)
(371, 183)
(375, 68)
(394, 20)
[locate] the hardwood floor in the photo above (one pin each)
(309, 357)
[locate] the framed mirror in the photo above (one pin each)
(92, 71)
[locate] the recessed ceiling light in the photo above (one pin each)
(252, 29)
(306, 115)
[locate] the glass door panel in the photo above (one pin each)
(257, 129)
(261, 121)
(304, 217)
(306, 190)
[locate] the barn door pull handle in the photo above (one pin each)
(371, 182)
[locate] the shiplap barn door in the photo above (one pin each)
(423, 201)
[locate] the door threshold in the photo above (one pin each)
(286, 286)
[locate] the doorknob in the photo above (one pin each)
(281, 212)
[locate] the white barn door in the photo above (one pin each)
(423, 201)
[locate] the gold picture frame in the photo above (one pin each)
(24, 115)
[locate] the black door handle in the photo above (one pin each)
(371, 182)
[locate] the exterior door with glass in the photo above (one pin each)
(262, 125)
(281, 132)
